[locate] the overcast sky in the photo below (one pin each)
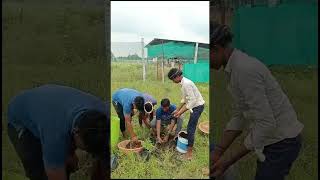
(177, 20)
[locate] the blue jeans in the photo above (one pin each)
(279, 159)
(192, 124)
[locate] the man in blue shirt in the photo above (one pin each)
(48, 123)
(126, 101)
(164, 118)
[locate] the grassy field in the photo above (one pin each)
(301, 86)
(44, 42)
(166, 165)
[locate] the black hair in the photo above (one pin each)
(93, 128)
(148, 107)
(165, 102)
(220, 34)
(139, 102)
(173, 73)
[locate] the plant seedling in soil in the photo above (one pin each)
(133, 145)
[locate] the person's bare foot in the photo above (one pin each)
(188, 155)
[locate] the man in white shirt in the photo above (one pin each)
(191, 100)
(260, 105)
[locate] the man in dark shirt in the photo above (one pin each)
(48, 123)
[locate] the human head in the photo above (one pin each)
(220, 41)
(165, 104)
(139, 103)
(175, 75)
(148, 107)
(90, 132)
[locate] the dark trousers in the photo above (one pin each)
(119, 109)
(192, 124)
(28, 148)
(279, 159)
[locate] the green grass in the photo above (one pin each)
(301, 86)
(166, 165)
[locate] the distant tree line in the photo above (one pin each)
(129, 57)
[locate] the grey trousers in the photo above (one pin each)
(166, 123)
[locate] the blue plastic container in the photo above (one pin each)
(182, 143)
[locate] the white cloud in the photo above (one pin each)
(180, 20)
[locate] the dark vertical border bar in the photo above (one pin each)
(108, 77)
(211, 118)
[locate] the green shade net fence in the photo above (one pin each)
(286, 34)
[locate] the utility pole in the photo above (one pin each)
(142, 59)
(162, 64)
(196, 53)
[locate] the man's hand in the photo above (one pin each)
(215, 156)
(57, 173)
(218, 169)
(166, 138)
(159, 140)
(177, 115)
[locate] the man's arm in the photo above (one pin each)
(180, 106)
(170, 127)
(232, 131)
(158, 126)
(147, 120)
(227, 138)
(182, 110)
(56, 173)
(218, 168)
(129, 126)
(192, 100)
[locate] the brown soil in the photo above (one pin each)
(133, 145)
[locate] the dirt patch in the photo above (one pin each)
(133, 145)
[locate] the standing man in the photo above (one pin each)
(164, 118)
(127, 102)
(191, 100)
(274, 132)
(48, 123)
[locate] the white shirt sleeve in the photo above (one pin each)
(237, 122)
(190, 96)
(264, 125)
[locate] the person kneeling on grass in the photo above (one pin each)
(48, 123)
(149, 113)
(164, 118)
(191, 100)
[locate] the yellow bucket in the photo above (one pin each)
(115, 131)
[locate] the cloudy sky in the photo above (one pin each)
(177, 20)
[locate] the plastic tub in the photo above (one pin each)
(122, 146)
(182, 142)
